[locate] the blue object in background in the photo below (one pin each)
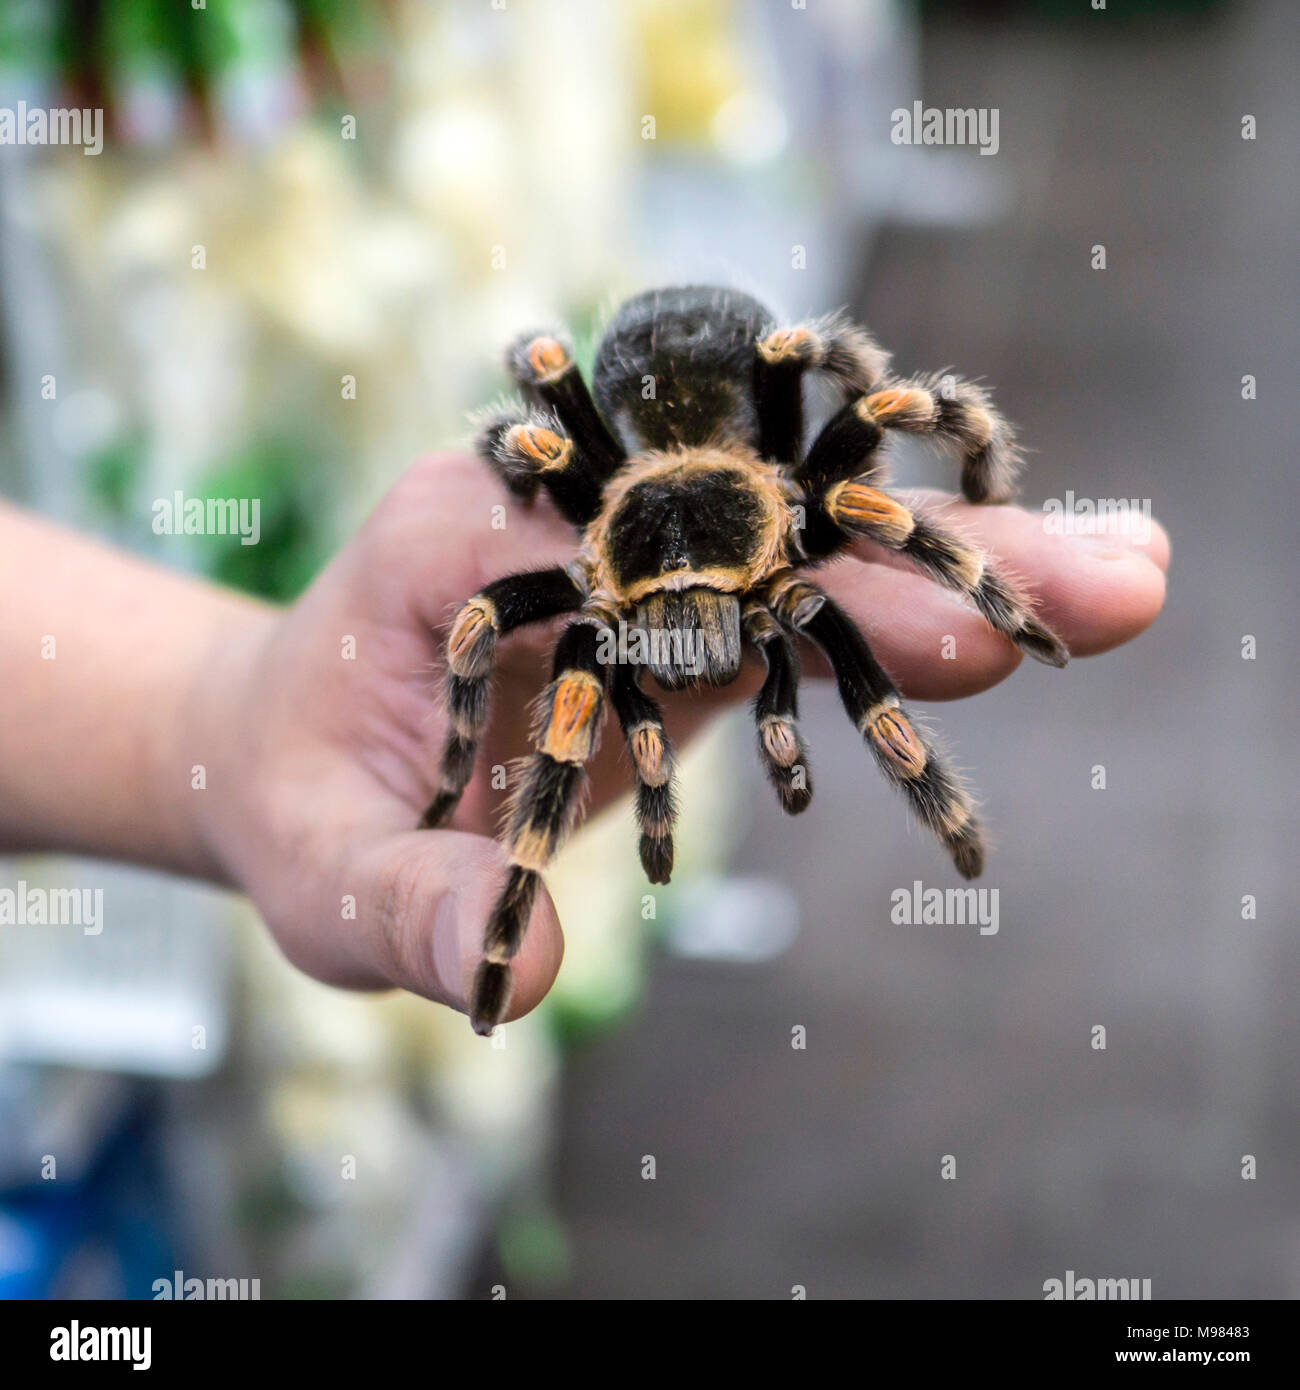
(106, 1234)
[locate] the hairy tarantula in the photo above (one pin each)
(698, 510)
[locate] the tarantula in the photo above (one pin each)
(698, 509)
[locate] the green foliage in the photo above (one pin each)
(293, 545)
(111, 478)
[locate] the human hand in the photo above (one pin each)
(321, 762)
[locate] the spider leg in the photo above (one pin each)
(859, 510)
(642, 723)
(785, 758)
(943, 406)
(846, 447)
(544, 806)
(527, 448)
(937, 795)
(832, 345)
(515, 601)
(543, 367)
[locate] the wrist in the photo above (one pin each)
(204, 760)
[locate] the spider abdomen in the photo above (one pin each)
(676, 368)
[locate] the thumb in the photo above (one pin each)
(423, 901)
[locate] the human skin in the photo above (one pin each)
(316, 765)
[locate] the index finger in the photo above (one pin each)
(1096, 591)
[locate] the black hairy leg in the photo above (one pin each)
(505, 604)
(941, 405)
(544, 805)
(846, 447)
(833, 346)
(856, 509)
(642, 723)
(528, 449)
(961, 413)
(543, 367)
(937, 795)
(782, 750)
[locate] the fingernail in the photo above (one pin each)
(1106, 547)
(448, 959)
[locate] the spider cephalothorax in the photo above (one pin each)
(698, 508)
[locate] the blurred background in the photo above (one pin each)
(291, 269)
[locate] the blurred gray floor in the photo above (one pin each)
(1120, 907)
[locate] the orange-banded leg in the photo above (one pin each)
(543, 807)
(776, 708)
(543, 366)
(940, 405)
(833, 346)
(955, 563)
(504, 605)
(528, 449)
(937, 795)
(642, 723)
